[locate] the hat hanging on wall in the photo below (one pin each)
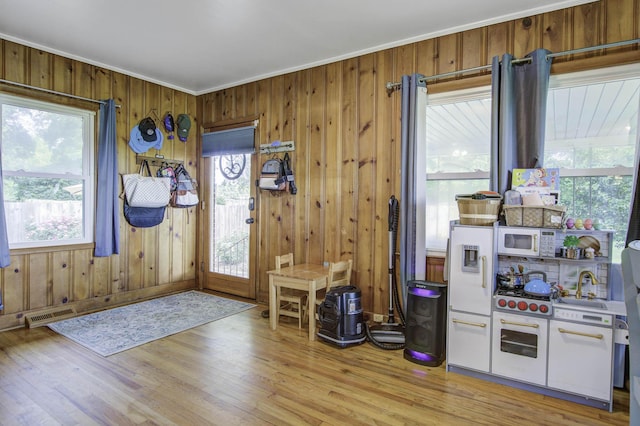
(169, 124)
(147, 129)
(184, 125)
(145, 136)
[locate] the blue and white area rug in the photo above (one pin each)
(118, 329)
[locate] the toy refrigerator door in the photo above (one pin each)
(471, 266)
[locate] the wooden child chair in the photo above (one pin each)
(339, 275)
(292, 303)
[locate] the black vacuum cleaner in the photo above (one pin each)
(391, 335)
(341, 317)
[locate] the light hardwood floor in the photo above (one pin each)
(237, 371)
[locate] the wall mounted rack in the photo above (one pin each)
(156, 160)
(277, 146)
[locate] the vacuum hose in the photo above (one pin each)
(382, 345)
(394, 296)
(394, 212)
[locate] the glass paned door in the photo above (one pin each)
(230, 224)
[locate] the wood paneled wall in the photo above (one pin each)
(151, 261)
(347, 160)
(346, 128)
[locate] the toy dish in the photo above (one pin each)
(586, 241)
(537, 288)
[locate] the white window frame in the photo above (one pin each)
(556, 81)
(88, 169)
(600, 75)
(459, 96)
(452, 97)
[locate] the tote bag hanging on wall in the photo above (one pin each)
(143, 217)
(186, 194)
(146, 191)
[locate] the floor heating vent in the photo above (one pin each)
(43, 318)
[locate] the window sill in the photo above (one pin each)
(436, 253)
(49, 249)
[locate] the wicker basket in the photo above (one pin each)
(534, 216)
(478, 212)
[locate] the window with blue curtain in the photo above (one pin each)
(48, 172)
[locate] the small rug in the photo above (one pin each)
(118, 329)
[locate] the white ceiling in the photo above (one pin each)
(199, 46)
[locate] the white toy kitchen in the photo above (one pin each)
(524, 314)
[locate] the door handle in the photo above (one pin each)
(484, 275)
(252, 204)
(521, 324)
(578, 333)
(474, 324)
(249, 221)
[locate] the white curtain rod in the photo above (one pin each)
(53, 92)
(393, 86)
